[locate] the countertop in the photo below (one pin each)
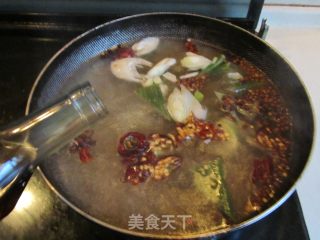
(295, 33)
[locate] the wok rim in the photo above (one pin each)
(211, 233)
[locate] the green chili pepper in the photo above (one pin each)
(198, 95)
(213, 172)
(224, 194)
(204, 170)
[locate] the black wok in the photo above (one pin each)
(55, 79)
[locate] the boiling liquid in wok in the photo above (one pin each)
(97, 187)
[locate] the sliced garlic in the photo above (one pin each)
(181, 103)
(194, 61)
(189, 75)
(161, 67)
(170, 76)
(145, 46)
(235, 75)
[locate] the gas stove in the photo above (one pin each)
(28, 40)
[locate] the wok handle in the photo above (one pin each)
(9, 200)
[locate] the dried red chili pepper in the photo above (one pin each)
(140, 160)
(262, 169)
(124, 53)
(228, 103)
(190, 46)
(85, 155)
(136, 175)
(82, 145)
(85, 139)
(194, 83)
(118, 52)
(199, 128)
(132, 143)
(165, 166)
(143, 158)
(206, 130)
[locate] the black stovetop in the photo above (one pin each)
(24, 50)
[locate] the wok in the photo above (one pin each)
(83, 190)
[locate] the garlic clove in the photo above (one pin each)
(161, 67)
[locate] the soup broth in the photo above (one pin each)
(214, 180)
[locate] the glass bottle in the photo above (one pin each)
(25, 144)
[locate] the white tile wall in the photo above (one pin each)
(295, 32)
(306, 2)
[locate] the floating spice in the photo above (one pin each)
(132, 143)
(262, 170)
(161, 142)
(140, 160)
(250, 114)
(118, 52)
(190, 46)
(124, 53)
(200, 128)
(165, 166)
(82, 145)
(194, 84)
